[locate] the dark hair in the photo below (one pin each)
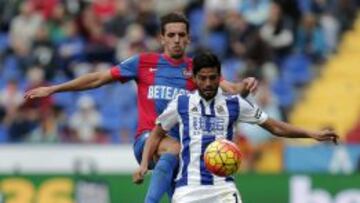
(174, 17)
(206, 60)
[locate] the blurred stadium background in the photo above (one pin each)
(76, 147)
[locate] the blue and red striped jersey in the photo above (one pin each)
(159, 79)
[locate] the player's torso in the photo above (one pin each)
(204, 124)
(162, 81)
(159, 81)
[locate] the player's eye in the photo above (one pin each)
(212, 77)
(182, 34)
(170, 34)
(202, 78)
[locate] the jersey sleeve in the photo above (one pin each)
(250, 113)
(169, 117)
(126, 70)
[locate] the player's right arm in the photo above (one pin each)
(152, 143)
(84, 82)
(125, 71)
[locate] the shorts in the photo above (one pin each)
(207, 193)
(140, 144)
(139, 148)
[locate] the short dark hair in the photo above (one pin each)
(206, 60)
(174, 17)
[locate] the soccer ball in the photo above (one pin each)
(222, 157)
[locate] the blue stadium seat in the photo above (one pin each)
(231, 69)
(111, 116)
(296, 69)
(217, 42)
(196, 19)
(3, 134)
(66, 100)
(304, 5)
(284, 92)
(4, 42)
(10, 69)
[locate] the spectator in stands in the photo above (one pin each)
(55, 22)
(135, 41)
(147, 17)
(222, 5)
(71, 48)
(345, 11)
(43, 53)
(310, 39)
(118, 24)
(215, 37)
(255, 11)
(85, 120)
(48, 129)
(239, 33)
(24, 122)
(104, 10)
(277, 33)
(24, 26)
(11, 97)
(10, 100)
(45, 8)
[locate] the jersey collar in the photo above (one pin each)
(198, 98)
(172, 61)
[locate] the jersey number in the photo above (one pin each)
(236, 198)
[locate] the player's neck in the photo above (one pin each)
(173, 60)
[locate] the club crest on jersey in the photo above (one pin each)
(220, 110)
(187, 73)
(194, 109)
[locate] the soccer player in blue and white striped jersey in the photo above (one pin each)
(204, 116)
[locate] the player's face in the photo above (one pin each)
(175, 39)
(207, 81)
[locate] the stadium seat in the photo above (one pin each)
(4, 42)
(284, 92)
(196, 19)
(10, 69)
(3, 135)
(296, 69)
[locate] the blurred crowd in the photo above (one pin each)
(282, 42)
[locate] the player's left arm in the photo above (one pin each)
(243, 88)
(251, 113)
(165, 121)
(150, 148)
(282, 129)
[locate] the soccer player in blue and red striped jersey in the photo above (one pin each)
(160, 77)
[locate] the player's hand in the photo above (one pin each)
(327, 135)
(138, 176)
(38, 93)
(250, 85)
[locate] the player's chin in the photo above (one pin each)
(177, 53)
(209, 94)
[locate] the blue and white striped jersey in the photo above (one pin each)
(202, 122)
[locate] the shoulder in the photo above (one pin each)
(231, 98)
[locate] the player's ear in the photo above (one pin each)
(188, 39)
(193, 78)
(162, 39)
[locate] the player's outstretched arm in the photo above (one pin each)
(243, 88)
(84, 82)
(150, 148)
(283, 129)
